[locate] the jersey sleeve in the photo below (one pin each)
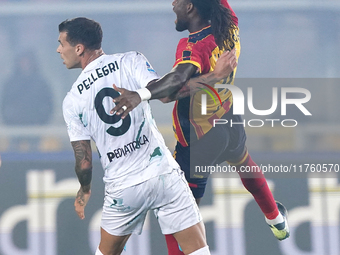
(141, 69)
(75, 121)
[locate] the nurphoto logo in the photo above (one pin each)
(239, 105)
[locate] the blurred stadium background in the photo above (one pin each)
(284, 44)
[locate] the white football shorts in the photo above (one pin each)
(168, 195)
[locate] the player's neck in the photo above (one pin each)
(197, 26)
(90, 56)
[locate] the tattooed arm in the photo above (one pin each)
(224, 68)
(83, 168)
(174, 85)
(192, 86)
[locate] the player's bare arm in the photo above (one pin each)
(83, 168)
(175, 85)
(167, 85)
(224, 67)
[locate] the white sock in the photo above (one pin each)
(202, 251)
(98, 252)
(277, 220)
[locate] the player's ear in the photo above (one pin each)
(80, 49)
(190, 7)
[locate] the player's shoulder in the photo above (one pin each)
(74, 95)
(184, 44)
(73, 104)
(119, 56)
(128, 55)
(136, 56)
(183, 41)
(70, 99)
(68, 102)
(133, 58)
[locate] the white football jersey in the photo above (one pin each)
(126, 147)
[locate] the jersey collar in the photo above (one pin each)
(201, 34)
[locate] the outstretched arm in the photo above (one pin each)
(167, 85)
(175, 84)
(219, 73)
(83, 168)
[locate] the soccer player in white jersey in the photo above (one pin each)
(140, 173)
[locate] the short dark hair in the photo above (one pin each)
(84, 31)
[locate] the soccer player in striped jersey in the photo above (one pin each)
(213, 28)
(140, 173)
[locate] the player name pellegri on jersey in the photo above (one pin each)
(97, 74)
(128, 148)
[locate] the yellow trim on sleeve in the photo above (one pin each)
(191, 62)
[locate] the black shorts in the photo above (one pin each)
(224, 142)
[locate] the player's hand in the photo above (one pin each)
(126, 102)
(226, 64)
(81, 201)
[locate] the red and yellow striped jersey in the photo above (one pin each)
(200, 49)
